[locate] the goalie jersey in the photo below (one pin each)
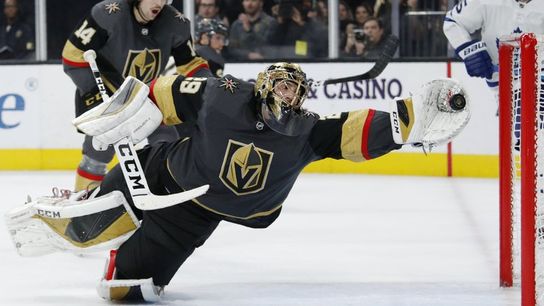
(124, 47)
(249, 167)
(494, 18)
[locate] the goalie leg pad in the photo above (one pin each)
(433, 115)
(113, 289)
(51, 224)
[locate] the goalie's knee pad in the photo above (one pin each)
(433, 115)
(113, 289)
(74, 223)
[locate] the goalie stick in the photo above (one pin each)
(389, 49)
(132, 170)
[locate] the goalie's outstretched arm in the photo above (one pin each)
(431, 116)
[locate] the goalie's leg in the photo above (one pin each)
(76, 224)
(92, 168)
(148, 260)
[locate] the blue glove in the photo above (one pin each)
(477, 60)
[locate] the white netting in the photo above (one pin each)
(515, 164)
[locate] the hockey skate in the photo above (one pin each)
(110, 288)
(431, 116)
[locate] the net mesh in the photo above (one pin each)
(536, 156)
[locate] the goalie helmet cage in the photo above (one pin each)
(521, 155)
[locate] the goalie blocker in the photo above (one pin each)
(431, 116)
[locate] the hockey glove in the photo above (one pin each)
(433, 115)
(477, 60)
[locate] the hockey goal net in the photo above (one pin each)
(521, 154)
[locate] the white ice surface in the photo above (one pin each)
(341, 240)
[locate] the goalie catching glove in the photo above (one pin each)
(129, 113)
(433, 115)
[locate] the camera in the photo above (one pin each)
(359, 35)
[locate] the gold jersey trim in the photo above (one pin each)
(352, 136)
(188, 68)
(123, 225)
(162, 91)
(72, 53)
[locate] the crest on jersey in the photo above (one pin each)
(112, 7)
(245, 167)
(228, 84)
(143, 64)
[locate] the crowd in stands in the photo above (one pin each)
(258, 29)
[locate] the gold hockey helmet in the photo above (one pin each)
(282, 89)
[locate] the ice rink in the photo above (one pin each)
(341, 240)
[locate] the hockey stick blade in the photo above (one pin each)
(389, 49)
(152, 201)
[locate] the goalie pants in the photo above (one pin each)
(166, 237)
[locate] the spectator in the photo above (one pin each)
(374, 38)
(345, 15)
(209, 9)
(249, 34)
(362, 12)
(16, 37)
(323, 11)
(354, 46)
(211, 36)
(319, 12)
(294, 35)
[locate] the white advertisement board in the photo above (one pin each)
(36, 107)
(36, 101)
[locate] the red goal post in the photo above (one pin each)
(521, 155)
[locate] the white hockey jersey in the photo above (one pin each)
(494, 18)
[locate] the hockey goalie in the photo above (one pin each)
(250, 142)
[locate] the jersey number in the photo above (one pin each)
(191, 85)
(84, 33)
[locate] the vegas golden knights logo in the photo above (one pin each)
(245, 167)
(143, 64)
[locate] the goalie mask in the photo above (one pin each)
(282, 89)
